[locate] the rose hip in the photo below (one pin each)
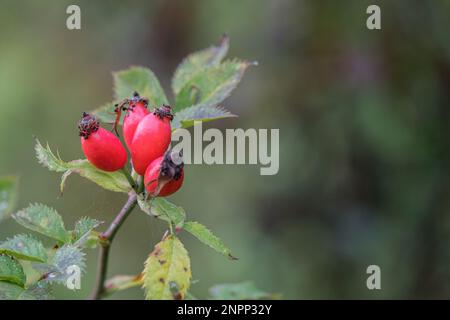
(163, 176)
(151, 138)
(136, 111)
(101, 147)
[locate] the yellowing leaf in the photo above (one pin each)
(167, 272)
(122, 282)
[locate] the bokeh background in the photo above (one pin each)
(364, 147)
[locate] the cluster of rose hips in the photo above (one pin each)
(147, 136)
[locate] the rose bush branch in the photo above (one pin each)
(200, 84)
(106, 239)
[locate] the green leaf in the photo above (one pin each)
(145, 204)
(141, 80)
(8, 195)
(83, 228)
(11, 271)
(167, 271)
(113, 181)
(122, 282)
(207, 237)
(48, 160)
(106, 114)
(38, 291)
(240, 291)
(211, 86)
(163, 209)
(9, 291)
(198, 61)
(43, 219)
(186, 118)
(65, 257)
(126, 82)
(24, 247)
(68, 255)
(173, 213)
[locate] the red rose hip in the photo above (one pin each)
(163, 176)
(136, 111)
(151, 138)
(100, 146)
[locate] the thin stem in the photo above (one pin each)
(99, 288)
(107, 237)
(120, 218)
(129, 178)
(141, 187)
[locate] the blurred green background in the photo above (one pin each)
(363, 116)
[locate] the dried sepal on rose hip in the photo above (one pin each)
(135, 112)
(101, 147)
(151, 138)
(165, 175)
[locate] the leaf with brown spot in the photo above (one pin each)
(166, 268)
